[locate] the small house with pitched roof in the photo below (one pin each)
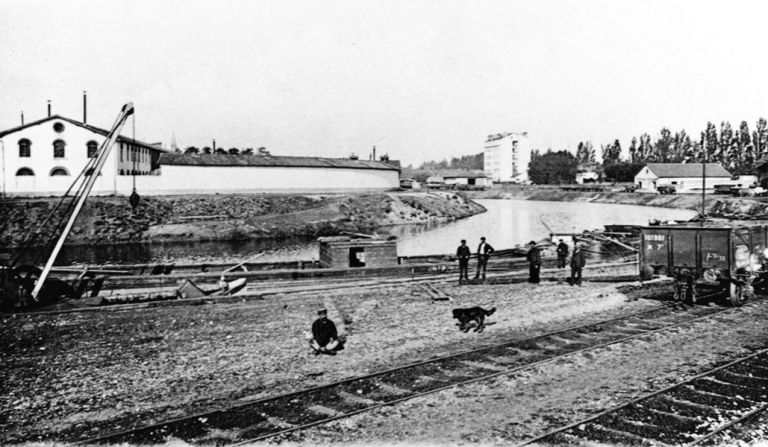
(684, 177)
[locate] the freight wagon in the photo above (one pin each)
(731, 259)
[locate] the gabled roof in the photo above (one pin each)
(174, 158)
(668, 170)
(89, 127)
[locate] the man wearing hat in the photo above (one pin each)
(463, 253)
(484, 251)
(534, 262)
(577, 263)
(325, 339)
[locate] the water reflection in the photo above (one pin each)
(507, 223)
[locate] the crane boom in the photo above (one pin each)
(89, 180)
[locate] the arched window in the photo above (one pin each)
(25, 171)
(59, 171)
(58, 148)
(92, 148)
(24, 148)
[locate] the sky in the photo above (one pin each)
(420, 80)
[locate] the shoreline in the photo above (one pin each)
(717, 206)
(109, 221)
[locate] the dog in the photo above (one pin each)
(469, 314)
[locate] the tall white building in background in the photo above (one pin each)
(507, 156)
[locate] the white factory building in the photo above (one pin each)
(44, 157)
(506, 157)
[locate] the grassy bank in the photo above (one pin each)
(106, 220)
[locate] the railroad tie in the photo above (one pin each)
(623, 434)
(485, 366)
(355, 399)
(325, 411)
(392, 389)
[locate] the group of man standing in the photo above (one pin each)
(577, 261)
(463, 253)
(484, 252)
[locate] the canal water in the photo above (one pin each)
(507, 223)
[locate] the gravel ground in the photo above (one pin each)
(511, 408)
(64, 375)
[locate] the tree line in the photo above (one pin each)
(736, 150)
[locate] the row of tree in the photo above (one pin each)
(737, 150)
(469, 162)
(219, 150)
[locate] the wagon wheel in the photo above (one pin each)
(737, 294)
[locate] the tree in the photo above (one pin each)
(234, 151)
(207, 150)
(710, 141)
(191, 150)
(220, 151)
(663, 146)
(622, 172)
(724, 144)
(585, 153)
(612, 153)
(263, 151)
(634, 154)
(247, 151)
(760, 137)
(645, 149)
(553, 168)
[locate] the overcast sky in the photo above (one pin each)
(419, 79)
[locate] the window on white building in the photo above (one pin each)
(58, 171)
(58, 149)
(92, 148)
(25, 171)
(25, 148)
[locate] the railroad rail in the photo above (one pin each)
(692, 412)
(286, 413)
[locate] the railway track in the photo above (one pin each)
(693, 412)
(279, 415)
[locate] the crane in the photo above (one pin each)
(89, 174)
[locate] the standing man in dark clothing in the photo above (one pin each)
(562, 254)
(534, 261)
(325, 339)
(484, 251)
(577, 263)
(463, 253)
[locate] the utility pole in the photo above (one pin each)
(703, 179)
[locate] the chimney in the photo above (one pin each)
(214, 146)
(374, 153)
(85, 106)
(22, 117)
(49, 108)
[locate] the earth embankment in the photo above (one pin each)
(107, 220)
(716, 205)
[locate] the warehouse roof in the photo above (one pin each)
(93, 129)
(178, 159)
(667, 170)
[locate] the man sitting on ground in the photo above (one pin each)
(325, 339)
